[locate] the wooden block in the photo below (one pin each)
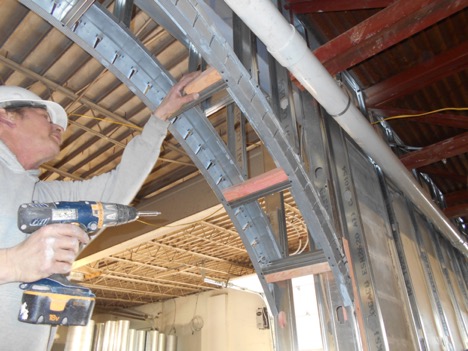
(207, 78)
(298, 272)
(256, 184)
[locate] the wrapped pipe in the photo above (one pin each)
(121, 334)
(98, 336)
(140, 340)
(152, 337)
(161, 342)
(110, 329)
(131, 340)
(171, 342)
(80, 338)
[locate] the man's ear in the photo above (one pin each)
(6, 119)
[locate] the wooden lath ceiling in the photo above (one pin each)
(408, 57)
(177, 263)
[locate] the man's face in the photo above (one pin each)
(39, 139)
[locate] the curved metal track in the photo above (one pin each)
(192, 19)
(116, 48)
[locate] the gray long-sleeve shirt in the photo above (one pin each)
(18, 186)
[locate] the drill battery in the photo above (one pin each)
(56, 301)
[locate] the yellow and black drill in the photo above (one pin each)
(56, 300)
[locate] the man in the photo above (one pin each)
(30, 134)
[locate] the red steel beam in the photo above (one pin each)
(302, 7)
(256, 185)
(436, 152)
(393, 24)
(456, 197)
(438, 172)
(456, 211)
(417, 77)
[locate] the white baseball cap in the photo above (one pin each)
(12, 96)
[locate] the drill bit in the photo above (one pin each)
(148, 213)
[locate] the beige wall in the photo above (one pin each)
(229, 321)
(228, 315)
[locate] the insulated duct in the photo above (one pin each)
(110, 329)
(140, 338)
(162, 342)
(80, 338)
(99, 336)
(131, 340)
(152, 337)
(288, 47)
(171, 342)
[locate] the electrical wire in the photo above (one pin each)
(300, 248)
(422, 114)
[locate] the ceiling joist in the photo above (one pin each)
(389, 26)
(417, 77)
(436, 152)
(304, 6)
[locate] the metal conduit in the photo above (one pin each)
(291, 51)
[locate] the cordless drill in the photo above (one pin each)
(55, 300)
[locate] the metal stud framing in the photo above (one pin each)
(191, 17)
(101, 36)
(117, 49)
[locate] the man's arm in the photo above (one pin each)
(53, 248)
(121, 184)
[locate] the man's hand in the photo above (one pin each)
(49, 250)
(176, 98)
